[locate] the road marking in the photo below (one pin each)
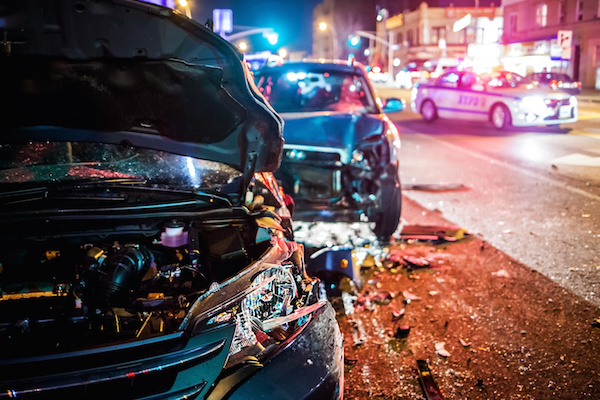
(520, 170)
(578, 159)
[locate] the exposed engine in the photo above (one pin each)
(62, 295)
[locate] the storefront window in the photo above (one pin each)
(437, 33)
(400, 38)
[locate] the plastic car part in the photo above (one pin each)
(500, 116)
(428, 111)
(430, 388)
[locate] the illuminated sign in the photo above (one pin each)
(565, 40)
(459, 12)
(223, 20)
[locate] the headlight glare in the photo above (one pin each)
(534, 104)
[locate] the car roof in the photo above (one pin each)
(317, 65)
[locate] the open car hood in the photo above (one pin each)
(123, 71)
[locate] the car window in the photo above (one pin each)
(502, 80)
(298, 91)
(450, 79)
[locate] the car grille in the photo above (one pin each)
(557, 103)
(130, 370)
(311, 156)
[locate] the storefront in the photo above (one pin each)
(536, 56)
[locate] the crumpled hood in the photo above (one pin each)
(331, 129)
(129, 72)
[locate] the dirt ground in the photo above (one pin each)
(487, 326)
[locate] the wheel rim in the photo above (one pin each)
(499, 117)
(428, 110)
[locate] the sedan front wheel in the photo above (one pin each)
(500, 116)
(428, 111)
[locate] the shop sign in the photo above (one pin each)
(565, 41)
(459, 12)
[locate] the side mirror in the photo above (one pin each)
(393, 104)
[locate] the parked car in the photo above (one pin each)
(146, 250)
(415, 71)
(502, 97)
(556, 81)
(341, 149)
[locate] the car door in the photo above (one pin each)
(445, 94)
(472, 100)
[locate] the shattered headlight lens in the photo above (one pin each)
(272, 308)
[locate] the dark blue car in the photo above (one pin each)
(341, 149)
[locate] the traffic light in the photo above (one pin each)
(354, 40)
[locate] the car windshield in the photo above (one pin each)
(548, 76)
(502, 80)
(298, 91)
(53, 162)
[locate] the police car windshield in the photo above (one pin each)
(310, 91)
(504, 79)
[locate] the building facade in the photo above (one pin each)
(469, 33)
(558, 35)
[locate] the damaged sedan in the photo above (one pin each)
(341, 149)
(147, 251)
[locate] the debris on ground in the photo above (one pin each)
(488, 338)
(517, 338)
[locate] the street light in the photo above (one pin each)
(323, 27)
(186, 7)
(388, 43)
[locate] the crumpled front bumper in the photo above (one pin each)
(310, 367)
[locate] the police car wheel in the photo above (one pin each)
(428, 111)
(500, 116)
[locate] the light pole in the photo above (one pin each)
(186, 7)
(388, 43)
(323, 27)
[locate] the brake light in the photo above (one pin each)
(553, 84)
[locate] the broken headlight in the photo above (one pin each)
(274, 307)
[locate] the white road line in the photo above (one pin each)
(520, 170)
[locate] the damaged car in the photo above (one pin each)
(341, 149)
(147, 251)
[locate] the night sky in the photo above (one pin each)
(292, 20)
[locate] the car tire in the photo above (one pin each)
(500, 116)
(386, 217)
(428, 111)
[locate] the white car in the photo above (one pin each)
(501, 97)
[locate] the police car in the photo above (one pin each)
(502, 97)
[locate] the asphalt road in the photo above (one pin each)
(533, 193)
